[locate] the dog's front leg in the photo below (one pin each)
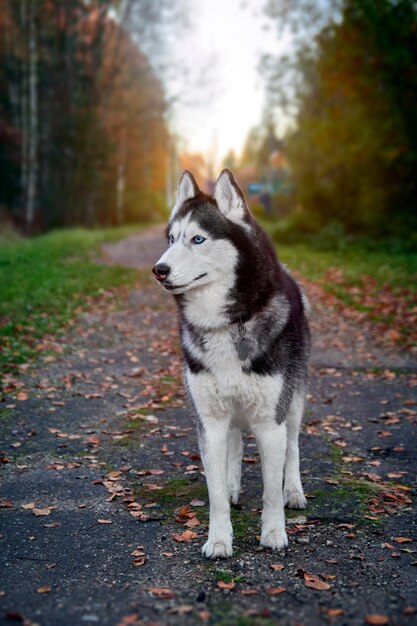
(213, 445)
(271, 439)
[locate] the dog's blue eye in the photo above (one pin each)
(198, 239)
(171, 239)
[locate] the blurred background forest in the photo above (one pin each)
(89, 131)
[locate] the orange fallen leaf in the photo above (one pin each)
(140, 561)
(181, 609)
(162, 592)
(152, 486)
(204, 615)
(187, 536)
(275, 591)
(277, 567)
(183, 510)
(314, 582)
(192, 523)
(104, 521)
(402, 539)
(43, 589)
(249, 592)
(222, 585)
(129, 620)
(93, 440)
(137, 553)
(376, 620)
(334, 612)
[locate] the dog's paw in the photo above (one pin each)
(294, 499)
(275, 539)
(217, 548)
(234, 495)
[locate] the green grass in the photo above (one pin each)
(379, 284)
(45, 279)
(387, 265)
(395, 269)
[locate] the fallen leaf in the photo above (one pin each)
(181, 609)
(222, 585)
(152, 486)
(314, 582)
(104, 521)
(29, 505)
(409, 610)
(197, 503)
(162, 592)
(137, 553)
(187, 536)
(277, 567)
(140, 561)
(40, 512)
(132, 619)
(402, 539)
(334, 612)
(6, 504)
(192, 523)
(275, 591)
(43, 589)
(376, 620)
(93, 440)
(204, 615)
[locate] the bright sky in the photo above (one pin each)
(222, 48)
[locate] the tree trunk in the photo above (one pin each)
(24, 112)
(32, 175)
(121, 179)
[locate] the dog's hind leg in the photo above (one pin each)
(271, 439)
(213, 446)
(234, 464)
(293, 490)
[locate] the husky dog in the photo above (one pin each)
(245, 339)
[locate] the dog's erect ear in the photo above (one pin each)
(230, 198)
(187, 188)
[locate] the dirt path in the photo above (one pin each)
(101, 474)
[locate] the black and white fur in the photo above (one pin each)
(230, 281)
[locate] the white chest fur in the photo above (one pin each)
(225, 390)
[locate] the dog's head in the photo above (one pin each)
(201, 233)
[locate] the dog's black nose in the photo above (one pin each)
(161, 271)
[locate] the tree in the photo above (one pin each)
(82, 113)
(354, 150)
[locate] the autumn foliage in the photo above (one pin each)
(83, 136)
